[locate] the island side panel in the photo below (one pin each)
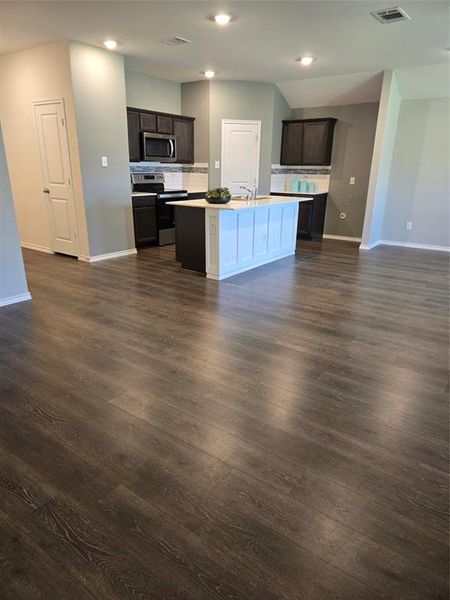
(237, 241)
(190, 238)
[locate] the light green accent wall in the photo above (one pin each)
(99, 97)
(152, 93)
(245, 101)
(418, 188)
(354, 136)
(12, 273)
(381, 159)
(281, 111)
(195, 102)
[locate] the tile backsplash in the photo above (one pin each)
(282, 177)
(193, 178)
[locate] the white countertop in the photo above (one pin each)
(241, 204)
(306, 193)
(189, 191)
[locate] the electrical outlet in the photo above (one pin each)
(217, 164)
(352, 180)
(104, 161)
(408, 225)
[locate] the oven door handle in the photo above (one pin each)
(168, 196)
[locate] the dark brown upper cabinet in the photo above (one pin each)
(164, 124)
(291, 148)
(154, 123)
(307, 142)
(148, 122)
(134, 143)
(183, 130)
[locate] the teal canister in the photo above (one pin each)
(303, 186)
(295, 185)
(311, 187)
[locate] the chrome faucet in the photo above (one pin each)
(251, 193)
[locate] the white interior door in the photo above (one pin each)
(240, 154)
(56, 175)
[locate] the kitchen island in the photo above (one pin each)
(222, 240)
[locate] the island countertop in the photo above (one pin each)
(241, 204)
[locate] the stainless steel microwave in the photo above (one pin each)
(158, 147)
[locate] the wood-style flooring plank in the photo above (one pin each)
(280, 435)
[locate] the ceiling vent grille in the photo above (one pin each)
(176, 41)
(391, 15)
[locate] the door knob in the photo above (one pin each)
(46, 191)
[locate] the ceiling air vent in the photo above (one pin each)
(176, 41)
(391, 15)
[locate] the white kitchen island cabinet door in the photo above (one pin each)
(237, 241)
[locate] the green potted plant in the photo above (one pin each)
(218, 196)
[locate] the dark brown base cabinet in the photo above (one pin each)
(144, 220)
(190, 242)
(311, 216)
(145, 224)
(307, 142)
(182, 128)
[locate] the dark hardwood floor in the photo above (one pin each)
(281, 435)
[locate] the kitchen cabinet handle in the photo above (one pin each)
(46, 191)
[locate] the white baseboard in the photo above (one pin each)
(98, 257)
(369, 246)
(36, 247)
(343, 238)
(405, 245)
(15, 299)
(417, 246)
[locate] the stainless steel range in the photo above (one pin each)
(149, 198)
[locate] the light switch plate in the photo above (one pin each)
(217, 164)
(104, 161)
(352, 181)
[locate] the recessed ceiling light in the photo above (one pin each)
(222, 19)
(305, 60)
(110, 44)
(209, 74)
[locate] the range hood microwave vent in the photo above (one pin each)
(390, 15)
(176, 41)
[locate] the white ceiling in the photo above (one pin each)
(333, 91)
(261, 43)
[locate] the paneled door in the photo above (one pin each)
(56, 176)
(241, 141)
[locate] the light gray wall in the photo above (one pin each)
(195, 103)
(381, 160)
(241, 100)
(12, 273)
(100, 107)
(281, 111)
(352, 156)
(418, 188)
(152, 93)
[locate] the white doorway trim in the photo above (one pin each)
(258, 154)
(68, 166)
